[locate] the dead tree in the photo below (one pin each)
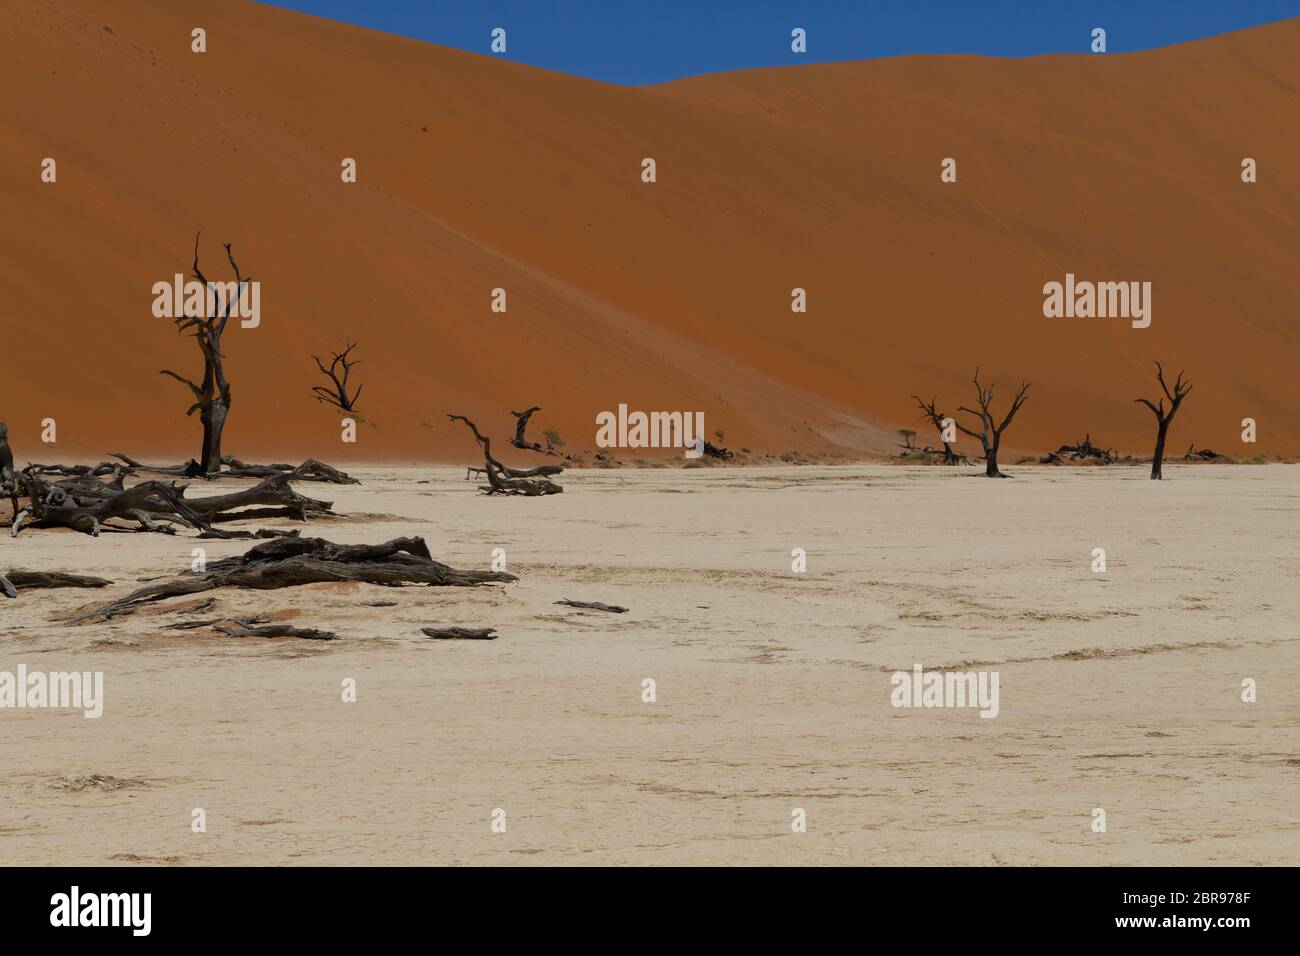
(150, 504)
(293, 562)
(85, 503)
(930, 413)
(310, 470)
(212, 396)
(511, 481)
(522, 423)
(337, 392)
(14, 581)
(1080, 451)
(8, 477)
(990, 434)
(1164, 418)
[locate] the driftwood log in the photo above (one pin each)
(292, 562)
(237, 629)
(255, 627)
(594, 605)
(461, 633)
(512, 481)
(14, 581)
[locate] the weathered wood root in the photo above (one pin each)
(274, 630)
(462, 633)
(291, 562)
(14, 581)
(531, 482)
(594, 605)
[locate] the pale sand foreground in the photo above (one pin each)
(1118, 691)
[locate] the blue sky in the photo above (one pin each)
(651, 41)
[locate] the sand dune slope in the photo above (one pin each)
(477, 173)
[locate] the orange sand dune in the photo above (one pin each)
(477, 173)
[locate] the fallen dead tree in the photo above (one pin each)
(1080, 451)
(153, 505)
(255, 627)
(293, 562)
(512, 481)
(15, 581)
(309, 470)
(1200, 454)
(461, 633)
(275, 630)
(86, 504)
(713, 451)
(594, 605)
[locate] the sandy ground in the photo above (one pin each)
(1118, 690)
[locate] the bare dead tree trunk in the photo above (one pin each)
(930, 413)
(522, 423)
(212, 397)
(1164, 418)
(8, 477)
(337, 393)
(990, 433)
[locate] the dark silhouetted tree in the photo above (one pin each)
(212, 397)
(339, 372)
(1164, 418)
(990, 433)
